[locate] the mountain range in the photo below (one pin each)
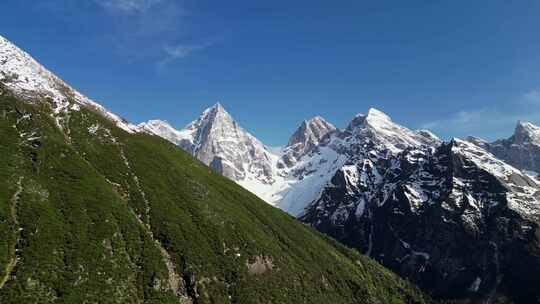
(95, 209)
(459, 218)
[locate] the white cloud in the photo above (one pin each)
(532, 96)
(128, 5)
(183, 50)
(142, 27)
(138, 30)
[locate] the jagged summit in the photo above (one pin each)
(216, 113)
(385, 133)
(310, 132)
(315, 151)
(373, 117)
(27, 78)
(374, 134)
(377, 115)
(521, 150)
(217, 139)
(218, 107)
(306, 137)
(526, 132)
(357, 121)
(375, 120)
(214, 122)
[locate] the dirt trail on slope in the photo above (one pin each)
(175, 280)
(13, 261)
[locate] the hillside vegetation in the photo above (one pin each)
(92, 214)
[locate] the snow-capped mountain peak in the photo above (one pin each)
(306, 137)
(217, 139)
(521, 150)
(386, 134)
(216, 114)
(213, 123)
(490, 163)
(311, 130)
(374, 118)
(375, 115)
(527, 132)
(25, 77)
(314, 153)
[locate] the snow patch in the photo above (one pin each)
(475, 285)
(25, 77)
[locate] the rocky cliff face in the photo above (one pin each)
(374, 133)
(217, 140)
(452, 218)
(522, 149)
(306, 138)
(295, 177)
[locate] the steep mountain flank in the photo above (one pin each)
(453, 219)
(92, 211)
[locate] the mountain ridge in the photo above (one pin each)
(91, 210)
(521, 150)
(345, 184)
(450, 216)
(27, 78)
(316, 148)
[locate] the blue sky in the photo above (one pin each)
(456, 67)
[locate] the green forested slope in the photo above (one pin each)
(92, 214)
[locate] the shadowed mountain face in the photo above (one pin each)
(93, 211)
(453, 218)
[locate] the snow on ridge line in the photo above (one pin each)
(162, 129)
(289, 186)
(26, 77)
(523, 189)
